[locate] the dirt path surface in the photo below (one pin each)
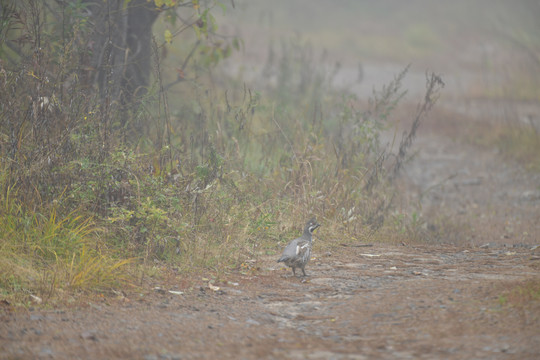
(496, 202)
(394, 302)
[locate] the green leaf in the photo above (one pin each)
(213, 22)
(168, 36)
(222, 6)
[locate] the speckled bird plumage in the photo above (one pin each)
(298, 252)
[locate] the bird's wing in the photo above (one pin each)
(290, 250)
(301, 247)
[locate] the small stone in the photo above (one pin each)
(89, 335)
(530, 195)
(252, 322)
(46, 352)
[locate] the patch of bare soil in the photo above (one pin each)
(357, 303)
(487, 200)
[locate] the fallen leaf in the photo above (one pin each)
(36, 299)
(213, 287)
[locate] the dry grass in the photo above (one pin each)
(516, 137)
(521, 144)
(515, 140)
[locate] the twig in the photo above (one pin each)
(183, 67)
(433, 84)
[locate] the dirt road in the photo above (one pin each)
(393, 302)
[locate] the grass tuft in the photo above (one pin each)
(43, 252)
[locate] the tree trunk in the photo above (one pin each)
(121, 48)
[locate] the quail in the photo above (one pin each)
(298, 252)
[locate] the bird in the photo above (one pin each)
(298, 252)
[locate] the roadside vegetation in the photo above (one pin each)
(92, 199)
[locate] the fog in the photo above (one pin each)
(483, 48)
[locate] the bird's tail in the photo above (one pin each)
(282, 259)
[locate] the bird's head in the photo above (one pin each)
(312, 225)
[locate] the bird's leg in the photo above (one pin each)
(304, 272)
(293, 271)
